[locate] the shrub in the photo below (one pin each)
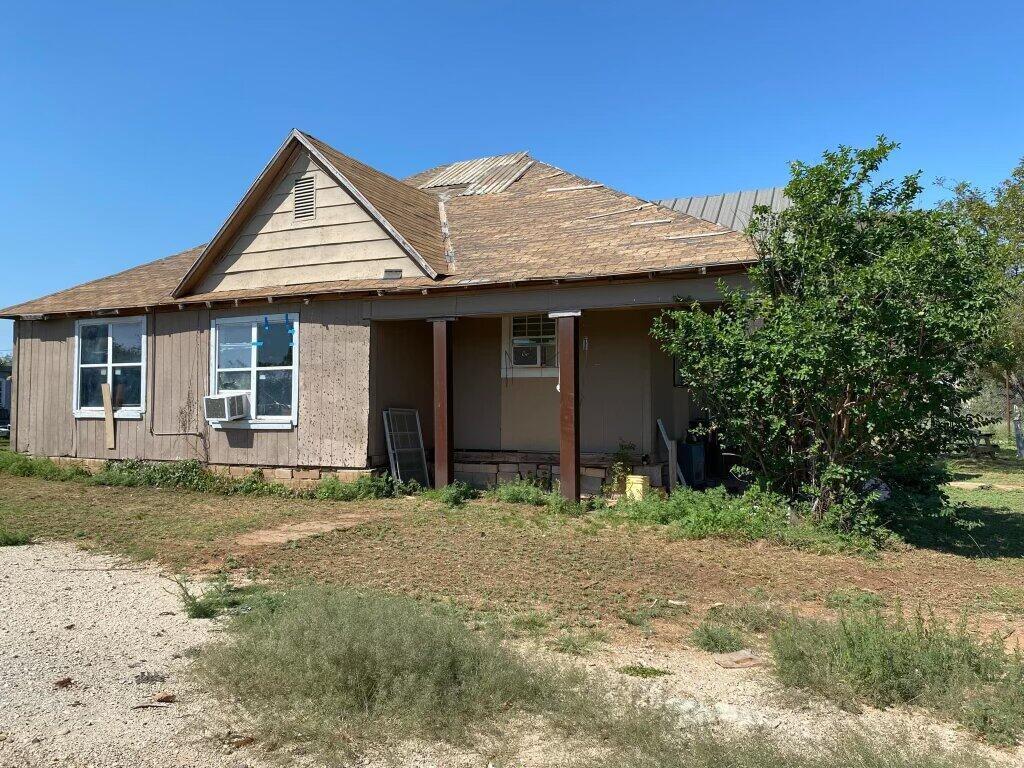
(454, 494)
(14, 538)
(332, 662)
(31, 466)
(365, 487)
(171, 474)
(193, 476)
(220, 597)
(713, 637)
(754, 617)
(867, 656)
(754, 514)
(522, 492)
(698, 514)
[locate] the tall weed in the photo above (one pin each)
(867, 656)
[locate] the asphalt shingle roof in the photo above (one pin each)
(548, 224)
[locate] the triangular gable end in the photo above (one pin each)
(265, 244)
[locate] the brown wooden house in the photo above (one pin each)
(507, 300)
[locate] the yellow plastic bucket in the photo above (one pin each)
(637, 486)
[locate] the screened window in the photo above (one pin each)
(258, 355)
(110, 352)
(533, 341)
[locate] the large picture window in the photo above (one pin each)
(110, 351)
(258, 355)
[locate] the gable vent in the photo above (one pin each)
(305, 198)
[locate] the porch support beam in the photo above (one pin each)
(444, 457)
(569, 402)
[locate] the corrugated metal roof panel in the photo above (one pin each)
(730, 209)
(473, 171)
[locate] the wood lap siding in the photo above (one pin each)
(333, 394)
(341, 242)
(44, 394)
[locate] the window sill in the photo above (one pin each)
(529, 372)
(252, 425)
(125, 414)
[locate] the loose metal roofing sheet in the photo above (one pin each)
(731, 209)
(484, 175)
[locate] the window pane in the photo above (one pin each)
(274, 393)
(233, 381)
(127, 341)
(93, 343)
(89, 380)
(524, 355)
(126, 389)
(275, 343)
(234, 346)
(549, 356)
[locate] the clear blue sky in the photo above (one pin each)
(131, 129)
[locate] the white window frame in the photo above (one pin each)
(508, 368)
(92, 412)
(254, 421)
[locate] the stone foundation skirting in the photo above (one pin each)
(289, 476)
(592, 478)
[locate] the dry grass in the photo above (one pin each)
(343, 671)
(181, 529)
(515, 560)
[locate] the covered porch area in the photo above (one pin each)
(559, 395)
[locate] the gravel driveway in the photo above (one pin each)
(89, 643)
(116, 629)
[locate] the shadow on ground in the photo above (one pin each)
(976, 531)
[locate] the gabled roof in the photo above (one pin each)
(731, 209)
(408, 215)
(412, 214)
(536, 223)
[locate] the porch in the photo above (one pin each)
(556, 396)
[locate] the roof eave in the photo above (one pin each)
(723, 268)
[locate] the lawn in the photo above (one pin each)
(590, 585)
(513, 559)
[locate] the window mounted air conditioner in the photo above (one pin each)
(227, 407)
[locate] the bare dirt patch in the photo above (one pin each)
(289, 532)
(495, 557)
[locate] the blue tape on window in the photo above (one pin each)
(257, 343)
(266, 323)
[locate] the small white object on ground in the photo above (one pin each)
(739, 660)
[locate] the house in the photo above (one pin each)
(507, 300)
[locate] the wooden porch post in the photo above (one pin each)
(444, 464)
(569, 403)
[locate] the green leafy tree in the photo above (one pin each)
(852, 354)
(999, 217)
